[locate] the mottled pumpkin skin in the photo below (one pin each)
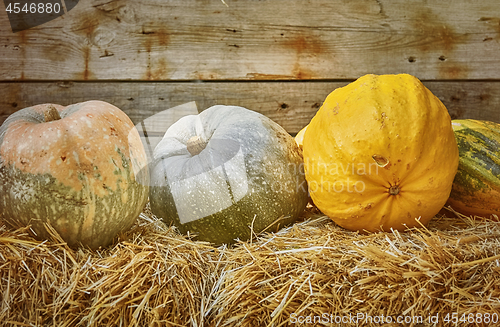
(84, 173)
(380, 153)
(249, 175)
(476, 188)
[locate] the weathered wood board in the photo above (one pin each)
(278, 57)
(291, 104)
(254, 40)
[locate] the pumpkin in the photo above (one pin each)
(380, 154)
(226, 172)
(299, 138)
(81, 169)
(476, 188)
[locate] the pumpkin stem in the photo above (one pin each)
(195, 145)
(51, 114)
(394, 190)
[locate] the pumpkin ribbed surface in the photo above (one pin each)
(476, 188)
(80, 168)
(380, 153)
(299, 138)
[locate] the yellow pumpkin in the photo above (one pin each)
(299, 138)
(380, 153)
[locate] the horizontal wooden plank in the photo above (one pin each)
(291, 104)
(161, 40)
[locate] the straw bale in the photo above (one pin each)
(316, 270)
(313, 272)
(150, 277)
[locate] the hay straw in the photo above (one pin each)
(313, 271)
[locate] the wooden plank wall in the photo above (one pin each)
(278, 57)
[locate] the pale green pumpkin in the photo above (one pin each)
(225, 172)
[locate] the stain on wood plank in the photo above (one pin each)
(85, 30)
(454, 71)
(155, 40)
(22, 49)
(437, 34)
(439, 37)
(305, 46)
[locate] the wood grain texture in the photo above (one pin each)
(158, 40)
(291, 104)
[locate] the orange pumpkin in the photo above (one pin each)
(77, 168)
(380, 153)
